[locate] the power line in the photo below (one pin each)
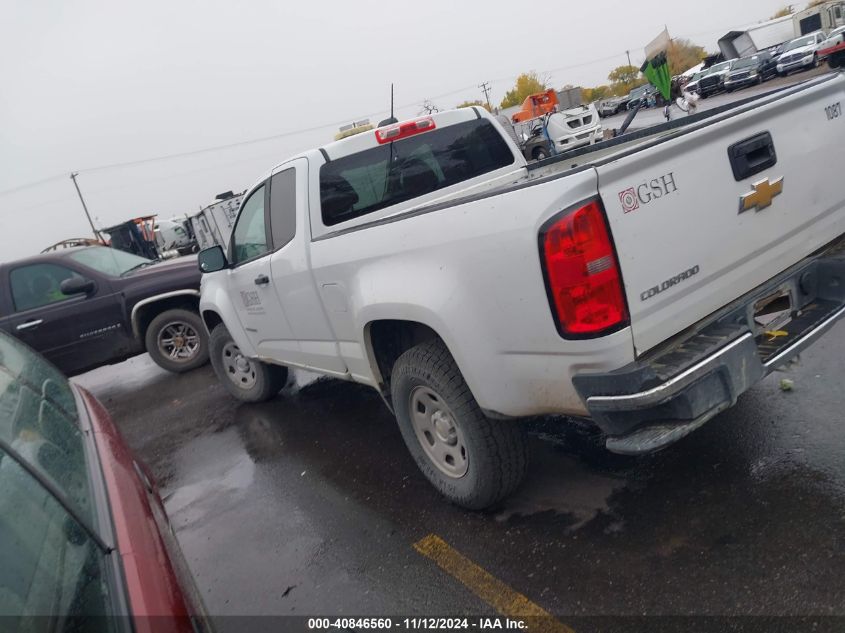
(36, 183)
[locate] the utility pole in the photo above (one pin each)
(628, 53)
(486, 88)
(82, 200)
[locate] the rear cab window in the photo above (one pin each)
(379, 177)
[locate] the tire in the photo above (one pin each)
(540, 154)
(488, 457)
(815, 61)
(246, 379)
(177, 340)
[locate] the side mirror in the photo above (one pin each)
(77, 286)
(212, 259)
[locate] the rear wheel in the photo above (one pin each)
(177, 340)
(472, 460)
(245, 378)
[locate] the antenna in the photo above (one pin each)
(392, 119)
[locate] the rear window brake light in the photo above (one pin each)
(403, 130)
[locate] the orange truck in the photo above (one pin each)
(536, 105)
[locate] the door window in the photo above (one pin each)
(283, 207)
(38, 285)
(249, 239)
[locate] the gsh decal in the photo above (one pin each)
(646, 192)
(250, 298)
(629, 200)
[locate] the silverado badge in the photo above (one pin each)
(762, 195)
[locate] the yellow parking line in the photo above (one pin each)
(490, 589)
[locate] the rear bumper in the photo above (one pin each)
(659, 399)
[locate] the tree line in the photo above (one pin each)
(682, 55)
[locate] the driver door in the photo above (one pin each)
(74, 332)
(255, 301)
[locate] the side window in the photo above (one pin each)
(283, 207)
(38, 285)
(249, 238)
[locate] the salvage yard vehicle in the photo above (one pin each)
(714, 80)
(556, 132)
(833, 48)
(692, 84)
(644, 282)
(801, 53)
(751, 70)
(609, 107)
(90, 306)
(84, 538)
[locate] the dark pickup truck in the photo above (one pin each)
(92, 306)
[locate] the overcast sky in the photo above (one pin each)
(86, 85)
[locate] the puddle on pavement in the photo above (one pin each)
(208, 468)
(564, 485)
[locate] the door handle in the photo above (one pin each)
(752, 155)
(29, 324)
(262, 280)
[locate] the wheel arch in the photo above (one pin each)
(149, 308)
(211, 319)
(387, 339)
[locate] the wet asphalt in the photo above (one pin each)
(310, 504)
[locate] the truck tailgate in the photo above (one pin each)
(688, 243)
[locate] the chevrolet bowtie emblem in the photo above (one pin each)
(762, 195)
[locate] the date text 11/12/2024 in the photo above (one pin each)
(418, 623)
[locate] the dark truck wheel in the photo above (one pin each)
(177, 341)
(247, 379)
(472, 460)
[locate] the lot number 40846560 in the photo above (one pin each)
(833, 111)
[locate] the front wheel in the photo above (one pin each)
(472, 460)
(177, 341)
(245, 378)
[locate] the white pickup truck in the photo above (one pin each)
(645, 282)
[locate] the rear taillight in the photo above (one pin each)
(582, 273)
(403, 130)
